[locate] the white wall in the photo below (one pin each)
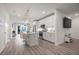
(3, 28)
(75, 28)
(60, 31)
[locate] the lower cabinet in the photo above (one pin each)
(49, 36)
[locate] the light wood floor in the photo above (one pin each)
(44, 48)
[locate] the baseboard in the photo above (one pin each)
(2, 49)
(49, 41)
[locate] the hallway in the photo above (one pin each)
(15, 47)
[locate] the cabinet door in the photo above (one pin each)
(44, 35)
(51, 37)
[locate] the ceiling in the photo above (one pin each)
(38, 10)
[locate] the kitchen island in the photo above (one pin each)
(31, 39)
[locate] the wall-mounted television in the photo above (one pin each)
(66, 22)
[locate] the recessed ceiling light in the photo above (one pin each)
(19, 15)
(43, 12)
(69, 17)
(76, 14)
(6, 24)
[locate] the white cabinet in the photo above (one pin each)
(50, 36)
